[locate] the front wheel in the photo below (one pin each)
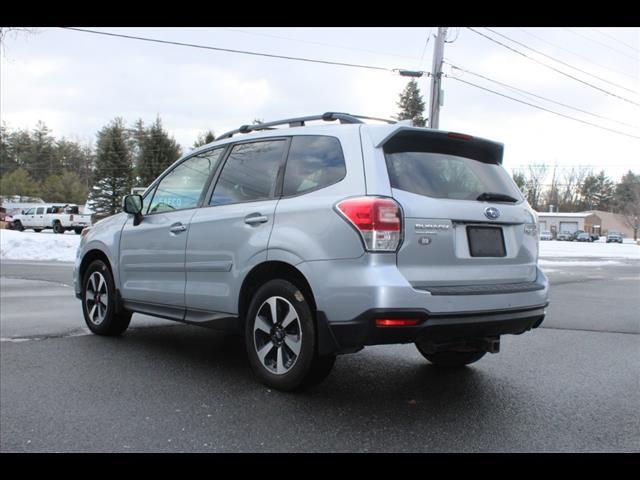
(17, 225)
(280, 338)
(451, 359)
(99, 302)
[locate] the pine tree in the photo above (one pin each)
(114, 169)
(42, 160)
(204, 138)
(411, 105)
(67, 188)
(597, 191)
(20, 183)
(157, 152)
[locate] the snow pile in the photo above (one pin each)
(16, 245)
(554, 249)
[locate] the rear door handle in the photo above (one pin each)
(255, 218)
(177, 228)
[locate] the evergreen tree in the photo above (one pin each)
(625, 190)
(42, 161)
(114, 169)
(157, 152)
(67, 188)
(411, 105)
(74, 157)
(7, 161)
(204, 138)
(597, 191)
(20, 183)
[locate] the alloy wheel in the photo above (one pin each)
(277, 335)
(96, 298)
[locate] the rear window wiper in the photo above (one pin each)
(498, 197)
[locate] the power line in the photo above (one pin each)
(561, 62)
(552, 68)
(229, 50)
(539, 96)
(616, 39)
(635, 78)
(424, 50)
(389, 54)
(600, 43)
(544, 109)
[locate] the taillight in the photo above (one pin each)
(377, 219)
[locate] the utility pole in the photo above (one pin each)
(435, 99)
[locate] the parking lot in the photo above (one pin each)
(572, 385)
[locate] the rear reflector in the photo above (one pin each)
(397, 322)
(377, 219)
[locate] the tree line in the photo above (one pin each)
(33, 163)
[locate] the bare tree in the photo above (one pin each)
(536, 175)
(5, 32)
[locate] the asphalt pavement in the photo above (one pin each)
(573, 385)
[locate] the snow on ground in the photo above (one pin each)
(46, 245)
(29, 245)
(555, 249)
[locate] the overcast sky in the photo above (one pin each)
(76, 82)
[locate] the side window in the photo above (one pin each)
(30, 211)
(249, 173)
(314, 162)
(39, 210)
(181, 188)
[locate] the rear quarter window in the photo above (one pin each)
(314, 162)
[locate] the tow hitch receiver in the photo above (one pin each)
(485, 344)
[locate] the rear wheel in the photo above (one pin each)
(451, 359)
(99, 302)
(58, 228)
(280, 338)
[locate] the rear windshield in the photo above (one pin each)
(441, 175)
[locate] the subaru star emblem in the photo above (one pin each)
(491, 213)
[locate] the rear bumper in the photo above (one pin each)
(350, 336)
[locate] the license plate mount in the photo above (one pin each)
(486, 241)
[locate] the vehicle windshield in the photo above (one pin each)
(441, 175)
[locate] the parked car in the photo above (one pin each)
(60, 218)
(546, 235)
(566, 236)
(317, 240)
(614, 237)
(583, 237)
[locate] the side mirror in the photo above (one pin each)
(132, 204)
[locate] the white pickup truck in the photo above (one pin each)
(58, 217)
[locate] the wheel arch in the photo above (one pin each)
(96, 254)
(269, 270)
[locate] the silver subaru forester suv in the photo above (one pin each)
(319, 239)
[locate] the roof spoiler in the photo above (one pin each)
(404, 139)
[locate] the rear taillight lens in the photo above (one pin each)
(377, 219)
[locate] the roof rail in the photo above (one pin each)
(300, 122)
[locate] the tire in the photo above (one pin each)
(277, 365)
(58, 228)
(451, 359)
(100, 315)
(78, 231)
(17, 225)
